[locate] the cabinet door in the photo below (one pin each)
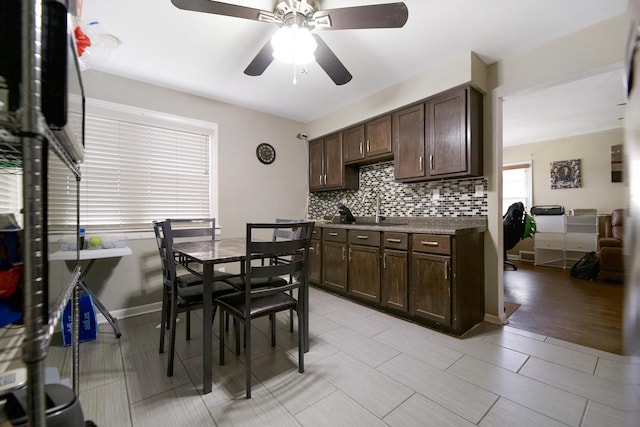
(394, 280)
(431, 287)
(364, 272)
(316, 164)
(447, 144)
(333, 161)
(334, 265)
(315, 262)
(408, 135)
(353, 140)
(378, 132)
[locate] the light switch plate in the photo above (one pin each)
(435, 194)
(479, 190)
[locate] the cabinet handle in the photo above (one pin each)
(446, 270)
(431, 161)
(343, 253)
(368, 146)
(325, 179)
(384, 261)
(429, 243)
(421, 160)
(394, 240)
(362, 237)
(350, 251)
(360, 147)
(320, 179)
(311, 248)
(333, 233)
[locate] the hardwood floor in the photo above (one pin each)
(557, 305)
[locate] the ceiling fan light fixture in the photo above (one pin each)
(294, 45)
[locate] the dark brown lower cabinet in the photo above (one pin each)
(431, 290)
(315, 261)
(394, 280)
(364, 272)
(434, 279)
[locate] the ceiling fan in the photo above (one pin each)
(298, 17)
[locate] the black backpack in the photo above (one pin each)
(587, 267)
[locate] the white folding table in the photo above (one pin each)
(92, 255)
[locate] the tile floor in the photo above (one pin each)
(364, 368)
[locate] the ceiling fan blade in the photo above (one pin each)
(330, 63)
(262, 60)
(219, 8)
(390, 15)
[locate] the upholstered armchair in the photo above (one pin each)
(610, 248)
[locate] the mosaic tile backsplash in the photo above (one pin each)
(457, 196)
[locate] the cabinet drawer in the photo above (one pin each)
(396, 240)
(316, 233)
(549, 240)
(580, 242)
(431, 243)
(365, 238)
(334, 234)
(549, 223)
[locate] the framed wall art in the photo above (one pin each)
(616, 163)
(565, 174)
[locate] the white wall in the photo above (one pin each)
(594, 151)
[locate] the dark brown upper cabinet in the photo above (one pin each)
(440, 138)
(326, 165)
(369, 142)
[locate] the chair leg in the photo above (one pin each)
(222, 332)
(272, 322)
(172, 339)
(236, 330)
(188, 325)
(247, 352)
(163, 319)
(301, 343)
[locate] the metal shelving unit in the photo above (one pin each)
(25, 143)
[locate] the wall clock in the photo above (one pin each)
(266, 153)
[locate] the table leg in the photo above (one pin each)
(112, 320)
(207, 320)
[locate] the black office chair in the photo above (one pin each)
(259, 301)
(518, 224)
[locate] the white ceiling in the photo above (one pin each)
(206, 54)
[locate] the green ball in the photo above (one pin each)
(95, 241)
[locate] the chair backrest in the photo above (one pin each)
(286, 234)
(614, 226)
(295, 248)
(171, 229)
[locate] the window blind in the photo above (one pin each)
(516, 185)
(134, 172)
(11, 191)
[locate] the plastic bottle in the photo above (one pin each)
(81, 238)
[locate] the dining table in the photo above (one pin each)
(207, 254)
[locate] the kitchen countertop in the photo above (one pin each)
(437, 225)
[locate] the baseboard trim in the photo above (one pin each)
(130, 312)
(496, 320)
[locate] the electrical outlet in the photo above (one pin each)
(435, 194)
(479, 190)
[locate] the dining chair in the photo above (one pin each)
(281, 233)
(259, 301)
(182, 293)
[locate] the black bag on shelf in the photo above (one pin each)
(587, 267)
